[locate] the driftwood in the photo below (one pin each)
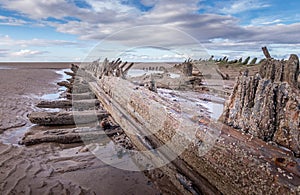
(235, 164)
(66, 117)
(67, 136)
(88, 103)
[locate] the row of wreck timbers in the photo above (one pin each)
(253, 148)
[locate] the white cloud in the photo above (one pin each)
(39, 9)
(26, 53)
(265, 21)
(4, 20)
(105, 18)
(3, 52)
(7, 41)
(238, 6)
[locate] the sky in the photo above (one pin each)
(146, 30)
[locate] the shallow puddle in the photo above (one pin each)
(192, 102)
(12, 136)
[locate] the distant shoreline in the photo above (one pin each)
(62, 65)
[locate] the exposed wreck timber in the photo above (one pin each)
(72, 74)
(229, 160)
(87, 103)
(80, 96)
(65, 84)
(267, 105)
(266, 52)
(66, 117)
(67, 136)
(223, 75)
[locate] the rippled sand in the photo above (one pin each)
(50, 168)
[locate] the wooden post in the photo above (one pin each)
(266, 52)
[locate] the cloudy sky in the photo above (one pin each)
(141, 30)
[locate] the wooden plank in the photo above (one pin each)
(66, 117)
(87, 103)
(67, 136)
(80, 96)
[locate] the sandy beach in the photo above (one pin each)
(50, 168)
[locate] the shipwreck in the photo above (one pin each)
(251, 147)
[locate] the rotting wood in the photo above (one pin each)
(235, 159)
(133, 128)
(187, 68)
(224, 76)
(265, 105)
(65, 84)
(74, 67)
(72, 74)
(266, 52)
(55, 104)
(66, 117)
(67, 136)
(80, 96)
(87, 103)
(106, 68)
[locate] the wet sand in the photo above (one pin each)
(50, 168)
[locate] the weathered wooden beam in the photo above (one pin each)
(133, 129)
(72, 74)
(224, 76)
(74, 67)
(65, 84)
(128, 67)
(235, 164)
(80, 96)
(67, 136)
(55, 104)
(87, 103)
(266, 52)
(66, 117)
